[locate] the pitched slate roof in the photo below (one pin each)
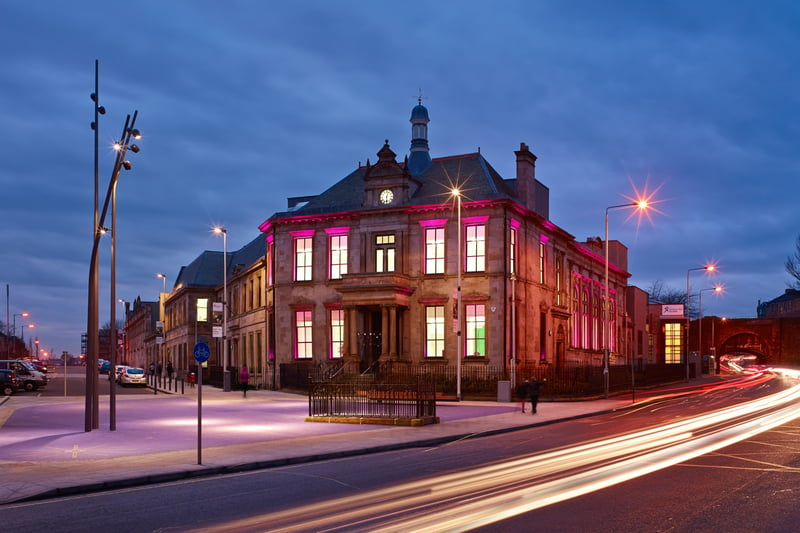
(206, 269)
(470, 172)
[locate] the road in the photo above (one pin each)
(75, 384)
(644, 469)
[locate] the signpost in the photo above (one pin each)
(201, 354)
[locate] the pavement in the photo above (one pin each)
(45, 452)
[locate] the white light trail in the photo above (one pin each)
(481, 496)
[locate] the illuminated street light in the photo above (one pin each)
(164, 279)
(716, 289)
(92, 417)
(457, 194)
(24, 314)
(226, 373)
(708, 268)
(641, 205)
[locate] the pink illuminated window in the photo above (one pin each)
(434, 331)
(475, 330)
(576, 317)
(338, 246)
(476, 248)
(337, 333)
(303, 257)
(303, 329)
(512, 252)
(434, 250)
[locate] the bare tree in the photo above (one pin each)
(793, 265)
(659, 294)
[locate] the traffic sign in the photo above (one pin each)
(201, 352)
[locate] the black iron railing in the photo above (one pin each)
(361, 396)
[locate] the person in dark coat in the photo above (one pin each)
(244, 379)
(523, 391)
(533, 390)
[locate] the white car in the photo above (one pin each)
(132, 376)
(118, 371)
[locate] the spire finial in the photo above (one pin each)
(420, 97)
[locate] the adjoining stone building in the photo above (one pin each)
(189, 317)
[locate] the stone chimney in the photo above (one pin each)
(526, 177)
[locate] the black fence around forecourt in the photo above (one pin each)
(481, 382)
(362, 397)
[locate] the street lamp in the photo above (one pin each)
(457, 194)
(607, 308)
(24, 314)
(717, 289)
(129, 131)
(226, 373)
(164, 279)
(708, 268)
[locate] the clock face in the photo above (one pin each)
(387, 196)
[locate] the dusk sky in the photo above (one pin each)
(245, 103)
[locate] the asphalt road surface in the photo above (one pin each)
(746, 486)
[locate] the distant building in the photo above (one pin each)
(140, 347)
(786, 305)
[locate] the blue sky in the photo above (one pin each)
(246, 103)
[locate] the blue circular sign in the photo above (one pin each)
(201, 352)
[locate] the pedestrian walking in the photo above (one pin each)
(533, 390)
(523, 391)
(244, 378)
(170, 369)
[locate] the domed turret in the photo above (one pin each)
(420, 159)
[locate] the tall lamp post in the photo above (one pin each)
(641, 204)
(92, 415)
(24, 314)
(226, 372)
(707, 268)
(717, 289)
(457, 194)
(164, 279)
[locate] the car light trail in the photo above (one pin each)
(481, 496)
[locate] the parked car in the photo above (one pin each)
(8, 382)
(104, 365)
(29, 378)
(132, 376)
(118, 371)
(37, 364)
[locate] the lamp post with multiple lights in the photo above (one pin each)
(608, 308)
(708, 268)
(92, 418)
(226, 372)
(457, 194)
